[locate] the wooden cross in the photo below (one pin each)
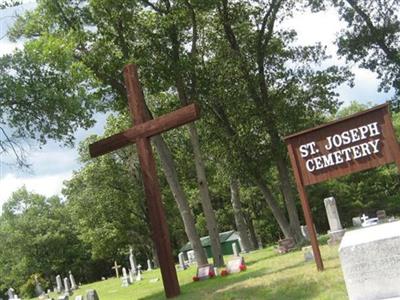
(140, 134)
(116, 267)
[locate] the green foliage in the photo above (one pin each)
(9, 3)
(372, 38)
(37, 237)
(28, 289)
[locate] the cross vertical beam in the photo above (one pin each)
(157, 217)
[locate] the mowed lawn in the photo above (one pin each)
(269, 276)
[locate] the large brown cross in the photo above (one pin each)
(140, 134)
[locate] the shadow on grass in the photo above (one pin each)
(283, 289)
(230, 287)
(211, 285)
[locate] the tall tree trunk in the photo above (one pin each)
(276, 211)
(211, 220)
(252, 231)
(289, 200)
(239, 218)
(253, 173)
(180, 198)
(156, 263)
(286, 187)
(258, 92)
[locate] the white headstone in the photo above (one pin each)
(10, 293)
(336, 231)
(191, 256)
(235, 265)
(235, 250)
(370, 260)
(181, 257)
(79, 297)
(60, 287)
(74, 286)
(364, 218)
(125, 278)
(131, 276)
(132, 260)
(357, 222)
(92, 295)
(66, 286)
(308, 253)
(139, 273)
(149, 268)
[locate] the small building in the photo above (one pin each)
(226, 239)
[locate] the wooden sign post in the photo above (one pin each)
(140, 134)
(359, 142)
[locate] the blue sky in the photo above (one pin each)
(52, 164)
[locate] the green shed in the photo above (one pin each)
(226, 239)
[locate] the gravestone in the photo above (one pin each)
(191, 256)
(149, 268)
(285, 245)
(67, 288)
(205, 272)
(304, 232)
(308, 253)
(235, 250)
(139, 273)
(74, 286)
(132, 261)
(92, 295)
(370, 260)
(11, 293)
(131, 277)
(79, 297)
(235, 265)
(181, 258)
(63, 297)
(381, 215)
(38, 288)
(60, 287)
(116, 267)
(125, 278)
(336, 231)
(357, 222)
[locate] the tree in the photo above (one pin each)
(241, 225)
(169, 15)
(110, 44)
(278, 98)
(9, 3)
(372, 38)
(43, 100)
(37, 237)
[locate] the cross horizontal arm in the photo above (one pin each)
(150, 128)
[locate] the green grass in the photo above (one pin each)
(268, 276)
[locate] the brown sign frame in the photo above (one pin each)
(358, 142)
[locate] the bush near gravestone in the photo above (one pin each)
(27, 290)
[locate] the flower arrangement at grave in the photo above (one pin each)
(211, 274)
(195, 278)
(242, 267)
(224, 273)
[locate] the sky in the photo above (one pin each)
(52, 163)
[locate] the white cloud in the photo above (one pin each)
(44, 185)
(7, 47)
(319, 27)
